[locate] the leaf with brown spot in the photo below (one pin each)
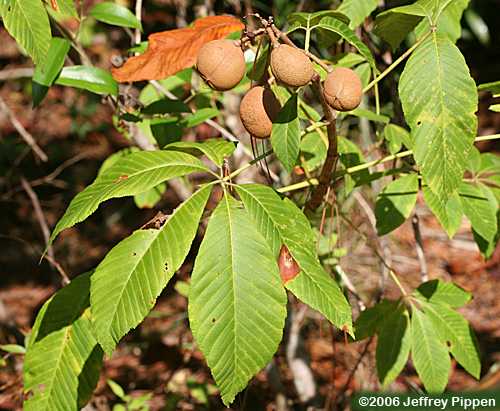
(174, 50)
(287, 265)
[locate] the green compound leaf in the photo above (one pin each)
(63, 359)
(216, 149)
(281, 222)
(437, 291)
(455, 330)
(448, 22)
(429, 353)
(93, 79)
(129, 175)
(439, 100)
(395, 203)
(115, 14)
(394, 24)
(28, 23)
(128, 281)
(371, 319)
(237, 304)
(393, 345)
(285, 136)
(357, 10)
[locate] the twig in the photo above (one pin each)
(12, 74)
(44, 227)
(332, 154)
(415, 222)
(138, 15)
(28, 138)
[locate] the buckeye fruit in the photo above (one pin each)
(291, 66)
(258, 109)
(221, 64)
(343, 89)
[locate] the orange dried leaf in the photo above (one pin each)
(54, 5)
(174, 50)
(287, 265)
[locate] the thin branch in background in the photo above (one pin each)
(138, 15)
(415, 222)
(13, 74)
(27, 137)
(45, 229)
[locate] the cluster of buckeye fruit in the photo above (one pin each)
(221, 63)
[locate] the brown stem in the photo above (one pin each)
(332, 154)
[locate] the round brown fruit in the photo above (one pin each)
(221, 64)
(258, 108)
(343, 89)
(291, 66)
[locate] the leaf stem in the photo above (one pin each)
(360, 167)
(397, 62)
(398, 283)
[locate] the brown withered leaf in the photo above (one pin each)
(174, 50)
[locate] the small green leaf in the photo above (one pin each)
(199, 116)
(13, 348)
(455, 330)
(115, 14)
(313, 150)
(437, 291)
(439, 100)
(393, 345)
(166, 106)
(63, 360)
(237, 304)
(343, 30)
(479, 209)
(493, 87)
(394, 24)
(93, 79)
(396, 137)
(216, 149)
(370, 115)
(28, 23)
(395, 203)
(448, 211)
(117, 389)
(429, 353)
(371, 319)
(129, 176)
(46, 73)
(285, 136)
(305, 19)
(150, 198)
(357, 10)
(128, 281)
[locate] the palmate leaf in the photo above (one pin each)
(357, 10)
(285, 136)
(393, 345)
(129, 175)
(439, 100)
(429, 353)
(127, 282)
(281, 222)
(63, 358)
(28, 23)
(237, 304)
(455, 329)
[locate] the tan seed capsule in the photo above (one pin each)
(258, 109)
(291, 66)
(221, 63)
(343, 89)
